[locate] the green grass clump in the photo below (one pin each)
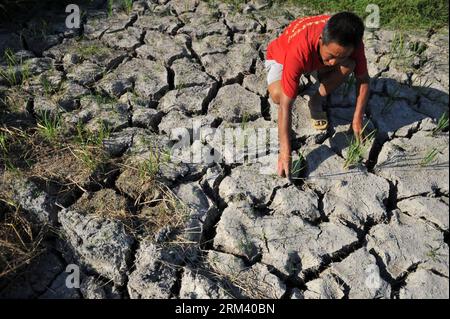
(16, 72)
(85, 137)
(109, 7)
(151, 166)
(88, 144)
(49, 126)
(434, 253)
(3, 142)
(48, 87)
(125, 5)
(298, 166)
(89, 50)
(358, 147)
(442, 124)
(403, 51)
(103, 99)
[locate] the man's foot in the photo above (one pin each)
(318, 116)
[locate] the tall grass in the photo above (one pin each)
(394, 14)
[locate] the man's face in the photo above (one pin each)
(333, 54)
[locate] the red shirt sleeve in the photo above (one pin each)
(360, 60)
(293, 67)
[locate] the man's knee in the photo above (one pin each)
(276, 97)
(275, 92)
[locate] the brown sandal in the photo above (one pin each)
(318, 118)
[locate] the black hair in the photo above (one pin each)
(343, 28)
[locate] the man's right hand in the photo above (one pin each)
(284, 165)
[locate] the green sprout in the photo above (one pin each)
(87, 157)
(298, 166)
(16, 72)
(417, 47)
(429, 157)
(49, 125)
(127, 6)
(89, 142)
(442, 124)
(46, 85)
(245, 120)
(150, 167)
(433, 253)
(166, 156)
(109, 8)
(398, 49)
(358, 147)
(88, 50)
(10, 57)
(101, 99)
(246, 247)
(85, 137)
(3, 142)
(403, 51)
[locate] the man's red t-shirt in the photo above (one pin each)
(296, 49)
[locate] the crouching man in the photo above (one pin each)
(328, 47)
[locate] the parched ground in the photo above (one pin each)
(105, 194)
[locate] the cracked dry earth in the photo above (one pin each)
(375, 230)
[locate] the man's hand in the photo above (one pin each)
(357, 128)
(284, 165)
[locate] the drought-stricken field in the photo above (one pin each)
(88, 176)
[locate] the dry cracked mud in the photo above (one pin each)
(141, 223)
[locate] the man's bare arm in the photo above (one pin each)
(362, 97)
(284, 130)
(284, 124)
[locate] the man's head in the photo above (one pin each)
(341, 35)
